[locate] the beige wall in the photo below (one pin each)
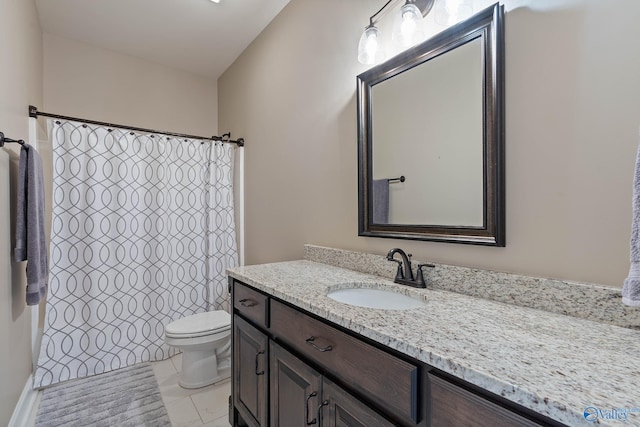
(20, 85)
(88, 82)
(572, 118)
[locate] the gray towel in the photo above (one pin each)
(380, 199)
(631, 288)
(30, 237)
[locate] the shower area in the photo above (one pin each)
(143, 229)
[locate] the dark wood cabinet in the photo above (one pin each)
(250, 373)
(273, 387)
(388, 381)
(300, 395)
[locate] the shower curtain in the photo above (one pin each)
(142, 233)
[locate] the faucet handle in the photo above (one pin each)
(420, 276)
(425, 265)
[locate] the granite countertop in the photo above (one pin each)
(554, 364)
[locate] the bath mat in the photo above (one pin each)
(126, 397)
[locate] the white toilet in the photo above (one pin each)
(205, 341)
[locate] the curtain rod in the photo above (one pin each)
(33, 112)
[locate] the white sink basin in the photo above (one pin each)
(375, 298)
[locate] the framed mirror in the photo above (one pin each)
(431, 138)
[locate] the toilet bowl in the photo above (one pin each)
(205, 341)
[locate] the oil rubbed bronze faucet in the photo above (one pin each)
(405, 266)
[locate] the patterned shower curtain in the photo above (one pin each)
(142, 233)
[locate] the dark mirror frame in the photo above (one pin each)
(488, 25)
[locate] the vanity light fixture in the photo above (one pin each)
(407, 29)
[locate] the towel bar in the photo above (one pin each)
(3, 139)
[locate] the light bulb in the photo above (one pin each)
(369, 50)
(407, 29)
(408, 26)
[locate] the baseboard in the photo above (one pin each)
(25, 405)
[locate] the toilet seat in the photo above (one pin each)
(199, 325)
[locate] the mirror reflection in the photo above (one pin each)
(427, 127)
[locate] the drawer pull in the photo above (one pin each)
(246, 302)
(306, 410)
(325, 403)
(258, 355)
(311, 340)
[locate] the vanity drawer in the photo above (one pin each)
(251, 304)
(389, 382)
(454, 405)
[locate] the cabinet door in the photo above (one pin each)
(295, 389)
(250, 373)
(341, 409)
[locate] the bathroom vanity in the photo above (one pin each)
(293, 350)
(301, 358)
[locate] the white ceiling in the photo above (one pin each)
(194, 35)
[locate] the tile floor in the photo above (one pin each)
(207, 406)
